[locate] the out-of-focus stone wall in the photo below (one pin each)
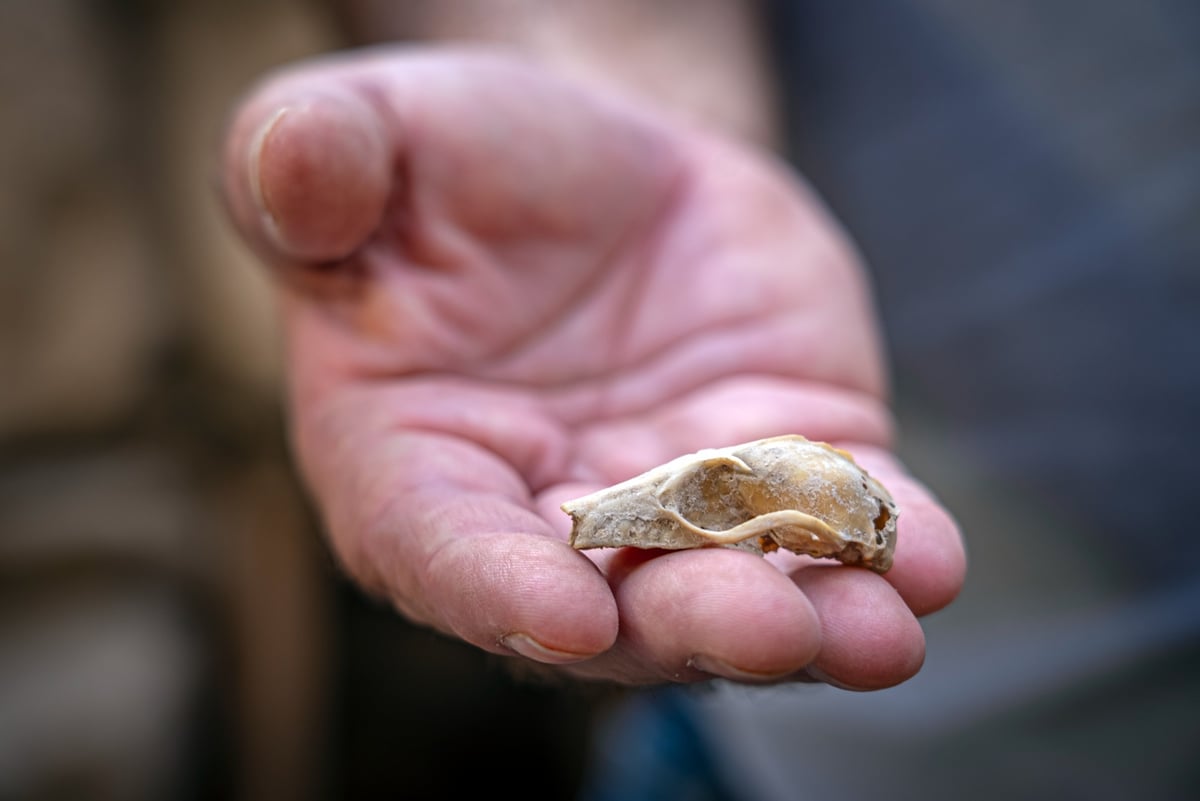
(165, 607)
(171, 625)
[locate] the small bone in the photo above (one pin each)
(781, 492)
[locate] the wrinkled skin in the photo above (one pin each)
(500, 291)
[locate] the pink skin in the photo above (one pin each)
(500, 291)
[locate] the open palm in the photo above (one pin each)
(502, 290)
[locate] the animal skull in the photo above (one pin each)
(782, 492)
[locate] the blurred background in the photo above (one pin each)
(171, 626)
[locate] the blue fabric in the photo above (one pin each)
(652, 750)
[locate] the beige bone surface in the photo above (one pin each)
(782, 492)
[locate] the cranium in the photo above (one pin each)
(782, 492)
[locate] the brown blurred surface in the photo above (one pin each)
(171, 625)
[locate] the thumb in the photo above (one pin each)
(306, 175)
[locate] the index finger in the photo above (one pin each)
(931, 561)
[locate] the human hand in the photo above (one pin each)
(501, 291)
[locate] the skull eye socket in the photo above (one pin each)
(710, 496)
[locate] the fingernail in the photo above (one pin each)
(530, 648)
(254, 174)
(719, 667)
(319, 176)
(825, 678)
